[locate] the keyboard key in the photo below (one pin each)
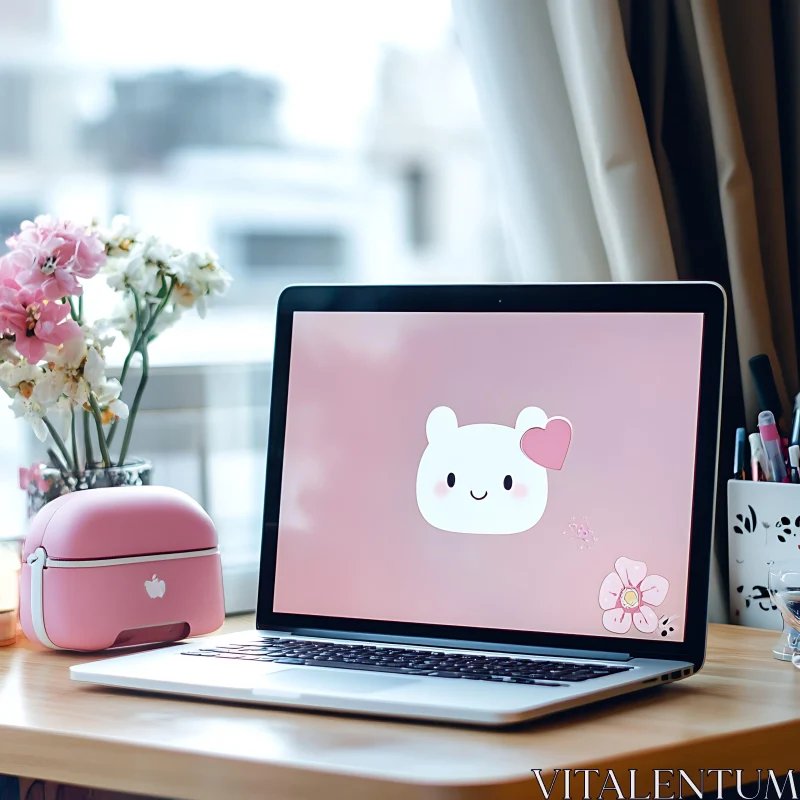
(363, 667)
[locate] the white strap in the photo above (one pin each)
(58, 563)
(36, 561)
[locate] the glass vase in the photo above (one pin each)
(48, 483)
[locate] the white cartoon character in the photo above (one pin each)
(488, 478)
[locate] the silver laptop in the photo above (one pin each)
(484, 504)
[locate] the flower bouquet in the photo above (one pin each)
(52, 357)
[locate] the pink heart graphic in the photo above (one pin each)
(548, 446)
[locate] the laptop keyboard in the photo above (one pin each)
(411, 662)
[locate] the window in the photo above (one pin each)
(291, 251)
(302, 141)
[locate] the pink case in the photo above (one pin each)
(119, 567)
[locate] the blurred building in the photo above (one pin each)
(202, 160)
(157, 115)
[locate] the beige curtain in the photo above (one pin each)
(659, 138)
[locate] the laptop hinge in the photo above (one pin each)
(462, 644)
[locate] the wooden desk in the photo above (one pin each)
(741, 711)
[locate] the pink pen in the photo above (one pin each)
(771, 440)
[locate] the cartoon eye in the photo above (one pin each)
(507, 483)
(451, 480)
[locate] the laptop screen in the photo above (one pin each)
(515, 471)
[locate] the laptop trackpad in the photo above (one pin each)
(318, 681)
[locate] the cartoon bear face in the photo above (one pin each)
(486, 478)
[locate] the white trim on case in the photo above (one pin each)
(59, 563)
(36, 561)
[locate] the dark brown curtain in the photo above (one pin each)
(718, 85)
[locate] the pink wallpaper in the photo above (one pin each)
(352, 539)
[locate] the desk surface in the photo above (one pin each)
(54, 729)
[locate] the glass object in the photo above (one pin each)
(784, 587)
(50, 483)
(9, 592)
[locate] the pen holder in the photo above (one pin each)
(763, 527)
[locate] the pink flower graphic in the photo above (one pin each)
(580, 532)
(627, 595)
(32, 476)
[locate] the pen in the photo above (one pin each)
(767, 391)
(794, 460)
(758, 461)
(771, 442)
(739, 470)
(795, 437)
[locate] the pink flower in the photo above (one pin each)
(627, 595)
(35, 322)
(14, 263)
(63, 252)
(32, 476)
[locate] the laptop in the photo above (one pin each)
(484, 504)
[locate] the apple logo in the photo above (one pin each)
(155, 587)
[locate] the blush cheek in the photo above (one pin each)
(440, 489)
(519, 490)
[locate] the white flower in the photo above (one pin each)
(119, 236)
(76, 370)
(107, 393)
(27, 408)
(198, 275)
(135, 273)
(153, 250)
(121, 229)
(98, 335)
(38, 405)
(60, 416)
(13, 374)
(123, 317)
(95, 368)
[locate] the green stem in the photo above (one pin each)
(73, 310)
(136, 402)
(87, 440)
(58, 463)
(75, 453)
(101, 439)
(142, 334)
(126, 364)
(59, 444)
(80, 309)
(155, 315)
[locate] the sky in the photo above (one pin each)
(325, 51)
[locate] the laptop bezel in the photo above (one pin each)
(675, 297)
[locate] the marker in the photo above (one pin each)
(794, 460)
(795, 437)
(758, 461)
(771, 441)
(739, 471)
(767, 391)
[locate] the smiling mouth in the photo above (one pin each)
(478, 498)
